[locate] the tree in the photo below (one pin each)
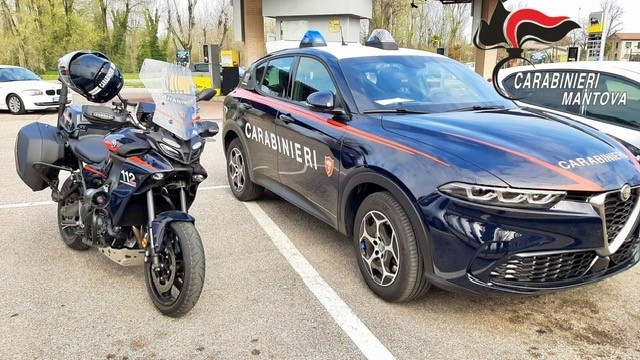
(181, 23)
(613, 14)
(150, 46)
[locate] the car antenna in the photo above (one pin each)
(342, 36)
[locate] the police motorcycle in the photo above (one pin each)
(134, 172)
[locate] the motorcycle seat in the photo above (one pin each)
(90, 149)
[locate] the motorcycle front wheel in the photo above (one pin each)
(176, 285)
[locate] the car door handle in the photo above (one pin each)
(286, 118)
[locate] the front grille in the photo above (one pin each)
(543, 268)
(549, 268)
(617, 212)
(52, 92)
(627, 250)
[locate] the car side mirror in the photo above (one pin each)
(206, 94)
(324, 101)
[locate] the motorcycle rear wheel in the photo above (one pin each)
(176, 287)
(69, 235)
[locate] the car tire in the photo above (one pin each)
(388, 255)
(15, 104)
(238, 173)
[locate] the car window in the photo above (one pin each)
(276, 76)
(311, 76)
(17, 74)
(598, 95)
(418, 83)
(532, 88)
(201, 67)
(615, 100)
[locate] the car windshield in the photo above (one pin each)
(425, 84)
(173, 91)
(17, 74)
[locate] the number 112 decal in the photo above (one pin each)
(128, 178)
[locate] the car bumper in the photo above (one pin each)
(488, 250)
(40, 102)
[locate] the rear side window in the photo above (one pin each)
(273, 77)
(598, 95)
(615, 100)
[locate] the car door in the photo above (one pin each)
(309, 144)
(260, 111)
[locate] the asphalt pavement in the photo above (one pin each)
(279, 285)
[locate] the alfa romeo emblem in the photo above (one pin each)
(625, 192)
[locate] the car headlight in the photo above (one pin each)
(33, 92)
(504, 197)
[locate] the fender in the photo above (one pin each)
(231, 130)
(162, 220)
(421, 232)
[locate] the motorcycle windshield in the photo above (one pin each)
(174, 94)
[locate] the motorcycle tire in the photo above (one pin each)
(69, 235)
(176, 287)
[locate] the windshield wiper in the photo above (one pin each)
(477, 107)
(396, 111)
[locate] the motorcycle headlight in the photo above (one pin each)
(504, 197)
(168, 150)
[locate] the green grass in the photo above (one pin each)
(53, 75)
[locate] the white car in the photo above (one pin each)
(22, 90)
(602, 94)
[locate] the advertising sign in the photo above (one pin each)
(334, 26)
(596, 23)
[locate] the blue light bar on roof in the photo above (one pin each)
(312, 38)
(382, 39)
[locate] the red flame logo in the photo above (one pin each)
(512, 30)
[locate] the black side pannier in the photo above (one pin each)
(38, 143)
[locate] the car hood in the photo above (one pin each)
(523, 149)
(31, 85)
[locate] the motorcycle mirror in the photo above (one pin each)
(206, 94)
(208, 128)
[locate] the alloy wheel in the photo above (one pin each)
(236, 169)
(14, 104)
(379, 248)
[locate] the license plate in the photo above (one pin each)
(54, 99)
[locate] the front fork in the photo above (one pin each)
(151, 214)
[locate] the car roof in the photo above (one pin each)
(629, 69)
(352, 50)
(9, 67)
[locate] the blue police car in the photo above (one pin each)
(436, 178)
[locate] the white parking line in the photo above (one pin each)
(49, 202)
(28, 204)
(357, 331)
(215, 187)
(363, 338)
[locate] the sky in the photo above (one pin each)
(576, 9)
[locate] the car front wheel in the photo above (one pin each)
(387, 253)
(238, 173)
(15, 105)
